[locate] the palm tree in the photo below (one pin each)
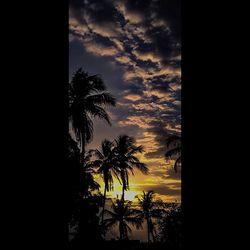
(147, 205)
(106, 167)
(80, 173)
(81, 183)
(174, 150)
(126, 150)
(88, 182)
(87, 98)
(123, 214)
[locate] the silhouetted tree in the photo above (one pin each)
(146, 203)
(87, 173)
(87, 216)
(74, 168)
(106, 163)
(73, 171)
(123, 214)
(174, 150)
(170, 227)
(83, 206)
(150, 209)
(126, 151)
(87, 98)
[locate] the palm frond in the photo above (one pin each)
(140, 166)
(97, 111)
(172, 152)
(110, 213)
(101, 99)
(135, 221)
(173, 140)
(110, 223)
(96, 83)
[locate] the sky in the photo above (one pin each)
(135, 46)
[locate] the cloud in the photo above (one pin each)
(173, 191)
(139, 121)
(99, 49)
(124, 60)
(133, 17)
(77, 28)
(149, 106)
(161, 132)
(146, 55)
(132, 97)
(172, 174)
(130, 14)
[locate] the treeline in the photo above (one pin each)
(87, 216)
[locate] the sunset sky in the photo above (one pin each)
(135, 47)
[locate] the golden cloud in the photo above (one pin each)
(145, 56)
(140, 121)
(132, 97)
(100, 50)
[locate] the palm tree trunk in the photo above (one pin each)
(82, 156)
(124, 184)
(148, 229)
(153, 236)
(104, 200)
(123, 193)
(83, 148)
(121, 230)
(152, 230)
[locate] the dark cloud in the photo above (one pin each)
(169, 190)
(170, 11)
(138, 6)
(172, 174)
(161, 132)
(161, 83)
(162, 23)
(102, 12)
(166, 190)
(76, 9)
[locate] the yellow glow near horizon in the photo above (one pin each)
(129, 195)
(117, 192)
(140, 182)
(136, 188)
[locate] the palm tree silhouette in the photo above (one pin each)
(150, 209)
(81, 173)
(125, 152)
(146, 203)
(87, 98)
(81, 183)
(106, 167)
(174, 150)
(123, 214)
(87, 173)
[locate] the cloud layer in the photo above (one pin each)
(142, 40)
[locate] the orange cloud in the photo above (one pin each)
(100, 50)
(77, 28)
(149, 106)
(140, 121)
(132, 97)
(145, 56)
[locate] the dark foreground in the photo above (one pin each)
(124, 245)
